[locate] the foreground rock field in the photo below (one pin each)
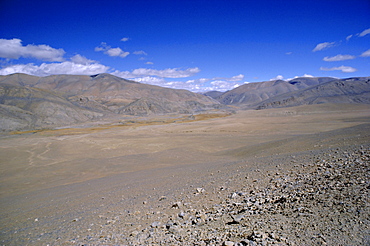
(322, 200)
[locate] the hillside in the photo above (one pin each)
(111, 92)
(23, 108)
(352, 90)
(213, 94)
(31, 102)
(254, 93)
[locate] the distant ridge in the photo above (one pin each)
(213, 94)
(351, 90)
(31, 102)
(89, 97)
(24, 108)
(249, 95)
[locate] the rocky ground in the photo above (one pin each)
(307, 188)
(315, 198)
(322, 200)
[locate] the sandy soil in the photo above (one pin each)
(102, 185)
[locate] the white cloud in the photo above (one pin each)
(117, 52)
(81, 59)
(288, 53)
(195, 85)
(221, 85)
(303, 76)
(125, 39)
(165, 73)
(339, 58)
(366, 53)
(237, 77)
(233, 78)
(307, 76)
(344, 69)
(13, 49)
(349, 37)
(111, 51)
(323, 46)
(151, 80)
(45, 69)
(140, 52)
(198, 81)
(364, 32)
(149, 63)
(279, 77)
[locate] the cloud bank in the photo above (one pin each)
(339, 58)
(366, 53)
(13, 49)
(323, 46)
(233, 78)
(365, 32)
(46, 69)
(344, 69)
(108, 50)
(139, 52)
(165, 73)
(195, 85)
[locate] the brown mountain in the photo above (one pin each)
(351, 90)
(23, 96)
(26, 108)
(111, 92)
(251, 94)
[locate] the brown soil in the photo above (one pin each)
(108, 184)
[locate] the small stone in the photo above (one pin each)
(200, 190)
(233, 195)
(238, 218)
(156, 224)
(229, 243)
(181, 214)
(177, 205)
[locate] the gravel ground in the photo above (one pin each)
(323, 200)
(318, 198)
(309, 189)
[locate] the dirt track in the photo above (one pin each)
(109, 186)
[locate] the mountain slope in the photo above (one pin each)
(24, 108)
(213, 94)
(251, 94)
(352, 90)
(105, 92)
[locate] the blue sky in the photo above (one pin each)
(194, 45)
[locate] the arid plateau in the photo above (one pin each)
(207, 181)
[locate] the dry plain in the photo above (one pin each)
(106, 184)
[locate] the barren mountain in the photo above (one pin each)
(213, 94)
(111, 92)
(253, 93)
(23, 108)
(29, 102)
(352, 90)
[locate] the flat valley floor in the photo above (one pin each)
(174, 183)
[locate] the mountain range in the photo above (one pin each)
(30, 102)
